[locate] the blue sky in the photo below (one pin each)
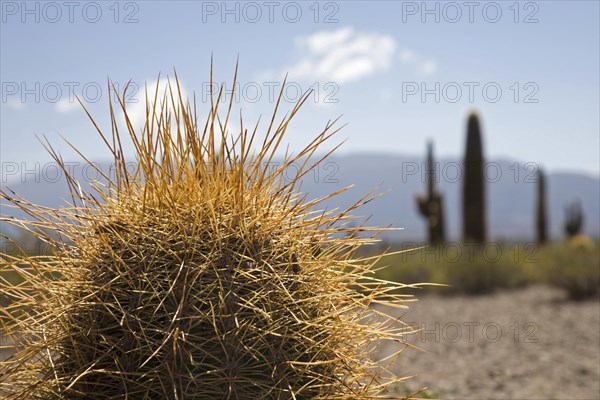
(396, 74)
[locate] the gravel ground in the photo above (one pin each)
(527, 344)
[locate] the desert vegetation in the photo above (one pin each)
(202, 274)
(477, 265)
(206, 273)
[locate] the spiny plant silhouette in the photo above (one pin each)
(573, 218)
(474, 225)
(202, 273)
(431, 205)
(541, 220)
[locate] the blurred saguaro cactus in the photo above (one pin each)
(573, 218)
(431, 205)
(474, 225)
(541, 220)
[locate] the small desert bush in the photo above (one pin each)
(480, 270)
(463, 268)
(576, 269)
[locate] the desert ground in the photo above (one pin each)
(526, 344)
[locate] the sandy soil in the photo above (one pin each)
(527, 344)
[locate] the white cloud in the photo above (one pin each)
(324, 41)
(428, 68)
(64, 106)
(347, 55)
(407, 56)
(342, 56)
(422, 65)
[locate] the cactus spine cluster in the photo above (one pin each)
(201, 274)
(473, 196)
(541, 224)
(431, 206)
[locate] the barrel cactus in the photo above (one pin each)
(200, 273)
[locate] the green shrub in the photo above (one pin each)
(576, 269)
(482, 269)
(464, 268)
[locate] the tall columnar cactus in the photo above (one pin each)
(573, 219)
(473, 199)
(430, 205)
(201, 274)
(541, 221)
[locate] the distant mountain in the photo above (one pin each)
(510, 191)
